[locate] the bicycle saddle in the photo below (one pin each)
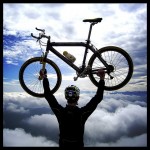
(93, 20)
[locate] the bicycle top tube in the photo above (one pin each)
(84, 44)
(68, 44)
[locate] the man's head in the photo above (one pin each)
(72, 94)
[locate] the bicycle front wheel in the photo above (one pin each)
(121, 63)
(29, 76)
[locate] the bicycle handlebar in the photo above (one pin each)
(34, 36)
(41, 35)
(42, 30)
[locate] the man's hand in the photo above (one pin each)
(101, 74)
(43, 73)
(46, 84)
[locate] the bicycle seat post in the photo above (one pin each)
(86, 48)
(90, 30)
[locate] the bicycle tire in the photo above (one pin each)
(50, 66)
(114, 50)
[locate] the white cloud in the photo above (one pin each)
(127, 121)
(24, 100)
(14, 108)
(21, 50)
(23, 139)
(138, 141)
(46, 121)
(11, 62)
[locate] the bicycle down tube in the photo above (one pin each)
(50, 47)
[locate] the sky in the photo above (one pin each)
(120, 120)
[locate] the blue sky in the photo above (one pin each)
(123, 25)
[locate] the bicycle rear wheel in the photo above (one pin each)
(121, 63)
(29, 76)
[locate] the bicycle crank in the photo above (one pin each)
(82, 74)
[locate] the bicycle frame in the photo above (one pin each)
(86, 45)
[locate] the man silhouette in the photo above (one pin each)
(71, 118)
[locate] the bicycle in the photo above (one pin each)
(115, 61)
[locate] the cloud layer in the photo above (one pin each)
(24, 139)
(119, 118)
